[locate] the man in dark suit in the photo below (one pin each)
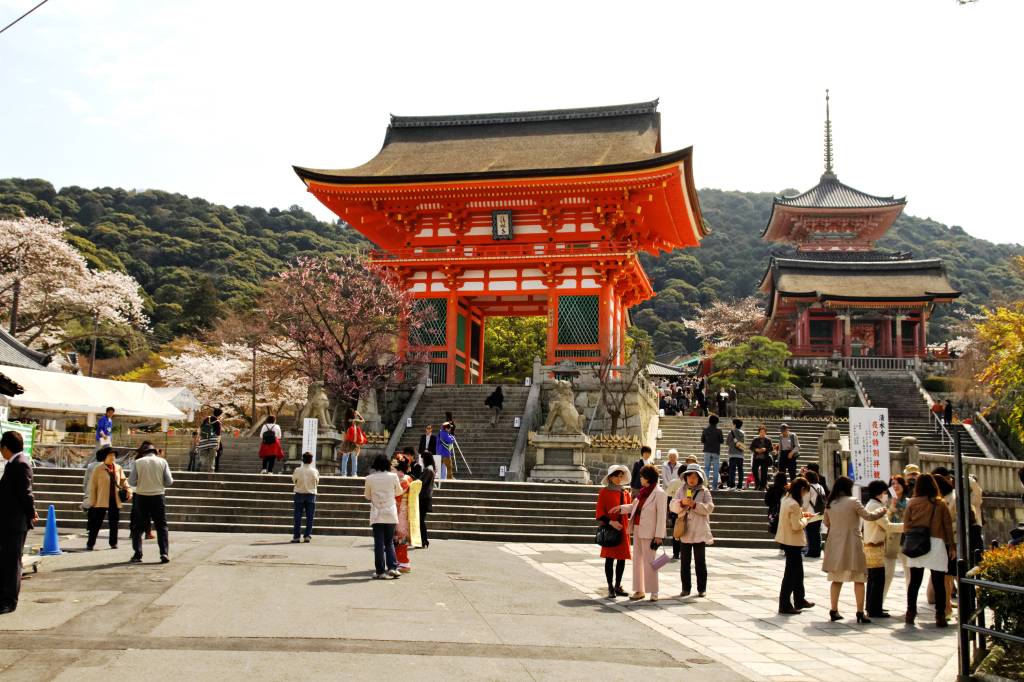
(17, 517)
(428, 444)
(645, 458)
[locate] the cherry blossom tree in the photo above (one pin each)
(728, 323)
(50, 298)
(221, 375)
(345, 317)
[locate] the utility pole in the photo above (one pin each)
(95, 330)
(15, 297)
(253, 385)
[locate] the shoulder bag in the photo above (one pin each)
(917, 541)
(606, 535)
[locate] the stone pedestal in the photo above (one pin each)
(327, 444)
(560, 458)
(910, 450)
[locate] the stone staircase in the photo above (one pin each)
(465, 510)
(895, 391)
(486, 448)
(683, 434)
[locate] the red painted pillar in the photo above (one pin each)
(451, 332)
(604, 321)
(552, 325)
(483, 328)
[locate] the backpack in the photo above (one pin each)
(819, 502)
(269, 437)
(206, 429)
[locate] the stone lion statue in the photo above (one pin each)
(317, 406)
(563, 409)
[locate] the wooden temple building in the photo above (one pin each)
(539, 213)
(833, 292)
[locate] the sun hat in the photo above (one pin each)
(614, 469)
(690, 459)
(694, 469)
(911, 469)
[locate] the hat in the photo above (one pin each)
(614, 469)
(690, 459)
(783, 426)
(694, 469)
(673, 451)
(911, 469)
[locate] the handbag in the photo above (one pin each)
(918, 541)
(874, 555)
(659, 561)
(607, 536)
(679, 528)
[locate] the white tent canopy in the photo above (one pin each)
(69, 393)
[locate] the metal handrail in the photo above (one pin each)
(862, 394)
(971, 620)
(940, 429)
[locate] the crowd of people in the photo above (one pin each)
(863, 544)
(695, 397)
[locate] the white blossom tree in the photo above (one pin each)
(220, 375)
(727, 323)
(50, 298)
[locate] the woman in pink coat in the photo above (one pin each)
(648, 514)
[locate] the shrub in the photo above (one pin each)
(937, 384)
(1004, 565)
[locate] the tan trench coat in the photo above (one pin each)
(844, 548)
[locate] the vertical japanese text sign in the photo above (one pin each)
(869, 444)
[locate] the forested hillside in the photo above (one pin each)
(193, 257)
(732, 259)
(189, 255)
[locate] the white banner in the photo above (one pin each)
(869, 444)
(309, 431)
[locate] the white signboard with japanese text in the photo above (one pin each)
(309, 429)
(869, 444)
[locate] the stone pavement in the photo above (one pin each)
(255, 607)
(738, 624)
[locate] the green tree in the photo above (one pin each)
(510, 345)
(759, 362)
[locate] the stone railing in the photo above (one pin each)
(996, 476)
(531, 420)
(862, 395)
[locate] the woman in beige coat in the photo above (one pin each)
(790, 536)
(693, 505)
(106, 481)
(648, 514)
(844, 549)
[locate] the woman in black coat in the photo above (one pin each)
(773, 500)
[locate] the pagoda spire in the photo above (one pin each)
(829, 172)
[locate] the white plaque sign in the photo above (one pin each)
(869, 444)
(309, 430)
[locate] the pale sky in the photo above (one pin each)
(218, 98)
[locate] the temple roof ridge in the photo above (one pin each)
(831, 193)
(540, 116)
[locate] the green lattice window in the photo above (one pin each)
(432, 333)
(577, 320)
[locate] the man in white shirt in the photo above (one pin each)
(150, 479)
(305, 478)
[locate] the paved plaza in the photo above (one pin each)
(738, 624)
(234, 605)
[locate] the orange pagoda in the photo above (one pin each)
(539, 213)
(833, 293)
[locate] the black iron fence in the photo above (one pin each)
(971, 622)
